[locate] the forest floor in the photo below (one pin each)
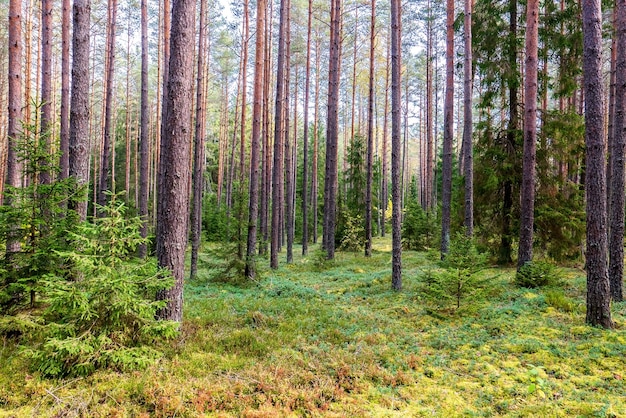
(333, 340)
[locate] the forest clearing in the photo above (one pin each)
(333, 339)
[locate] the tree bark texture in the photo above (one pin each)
(446, 193)
(255, 142)
(14, 167)
(396, 221)
(525, 250)
(79, 110)
(332, 131)
(370, 137)
(64, 164)
(598, 287)
(45, 130)
(289, 167)
(105, 165)
(144, 145)
(199, 145)
(242, 135)
(305, 150)
(277, 173)
(173, 185)
(468, 163)
(616, 213)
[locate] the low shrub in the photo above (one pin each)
(537, 274)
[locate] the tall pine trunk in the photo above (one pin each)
(332, 131)
(314, 185)
(598, 287)
(173, 185)
(108, 134)
(505, 251)
(266, 179)
(385, 152)
(144, 145)
(64, 164)
(370, 138)
(305, 149)
(277, 173)
(468, 163)
(257, 116)
(616, 214)
(525, 251)
(429, 200)
(14, 167)
(446, 193)
(289, 168)
(242, 135)
(45, 177)
(79, 110)
(396, 67)
(199, 145)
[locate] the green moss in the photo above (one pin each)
(338, 342)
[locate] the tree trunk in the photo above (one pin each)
(79, 110)
(14, 167)
(314, 185)
(525, 251)
(396, 67)
(446, 193)
(64, 166)
(370, 138)
(105, 165)
(233, 145)
(288, 181)
(277, 173)
(257, 115)
(242, 136)
(173, 185)
(266, 180)
(430, 147)
(616, 216)
(28, 70)
(511, 137)
(468, 165)
(611, 116)
(128, 120)
(144, 138)
(45, 176)
(305, 150)
(199, 146)
(598, 287)
(332, 131)
(385, 169)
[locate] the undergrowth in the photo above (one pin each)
(337, 341)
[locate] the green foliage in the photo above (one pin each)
(459, 283)
(104, 316)
(559, 207)
(321, 261)
(230, 267)
(356, 176)
(339, 341)
(558, 300)
(537, 383)
(353, 234)
(38, 220)
(537, 274)
(214, 219)
(419, 228)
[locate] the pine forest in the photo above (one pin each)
(324, 208)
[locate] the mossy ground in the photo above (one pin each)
(335, 340)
